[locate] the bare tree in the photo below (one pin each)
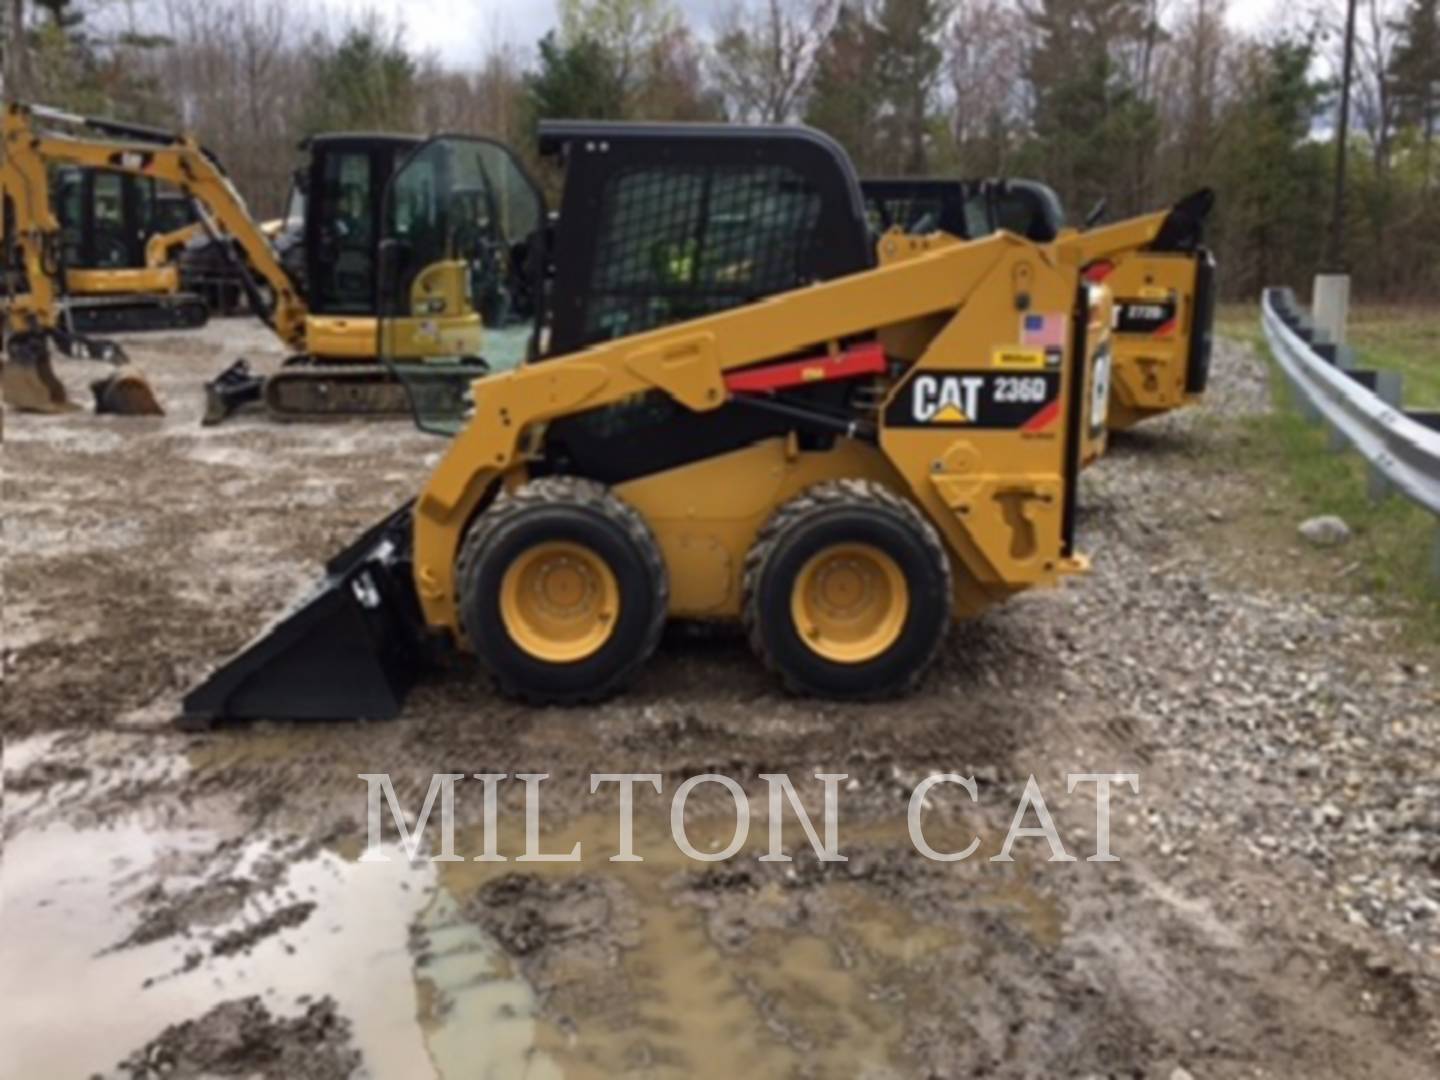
(1374, 102)
(764, 57)
(1190, 90)
(16, 75)
(987, 50)
(632, 32)
(483, 100)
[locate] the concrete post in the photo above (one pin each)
(1331, 305)
(1389, 388)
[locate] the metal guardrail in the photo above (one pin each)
(1361, 407)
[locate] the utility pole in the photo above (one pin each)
(1335, 254)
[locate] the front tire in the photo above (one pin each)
(847, 592)
(563, 591)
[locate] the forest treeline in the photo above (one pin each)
(1132, 101)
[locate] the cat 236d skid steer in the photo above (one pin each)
(720, 421)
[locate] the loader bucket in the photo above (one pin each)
(126, 392)
(28, 381)
(351, 649)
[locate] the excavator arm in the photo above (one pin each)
(161, 247)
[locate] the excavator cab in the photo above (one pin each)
(344, 180)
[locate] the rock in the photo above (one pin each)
(1178, 1073)
(1326, 531)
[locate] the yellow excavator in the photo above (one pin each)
(157, 284)
(120, 238)
(37, 140)
(724, 420)
(331, 326)
(1164, 291)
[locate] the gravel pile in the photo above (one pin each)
(1305, 720)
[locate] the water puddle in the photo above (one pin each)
(478, 1016)
(666, 968)
(72, 896)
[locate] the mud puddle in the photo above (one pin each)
(677, 968)
(173, 943)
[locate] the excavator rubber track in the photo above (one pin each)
(137, 313)
(321, 391)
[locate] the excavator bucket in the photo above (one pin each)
(352, 648)
(126, 392)
(28, 382)
(234, 388)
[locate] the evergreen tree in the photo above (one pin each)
(908, 57)
(578, 81)
(1090, 125)
(364, 83)
(843, 100)
(1274, 190)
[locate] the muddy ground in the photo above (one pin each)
(195, 905)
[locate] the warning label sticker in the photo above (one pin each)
(1018, 356)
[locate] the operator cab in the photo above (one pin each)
(658, 224)
(966, 209)
(106, 218)
(342, 183)
(460, 271)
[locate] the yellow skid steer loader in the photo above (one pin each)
(1164, 291)
(726, 422)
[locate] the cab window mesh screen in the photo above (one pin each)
(679, 242)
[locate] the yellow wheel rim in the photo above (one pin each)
(559, 601)
(850, 602)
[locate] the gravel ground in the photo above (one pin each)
(196, 903)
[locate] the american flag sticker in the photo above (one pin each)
(1043, 331)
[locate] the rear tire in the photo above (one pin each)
(563, 591)
(847, 592)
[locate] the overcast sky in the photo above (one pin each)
(459, 30)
